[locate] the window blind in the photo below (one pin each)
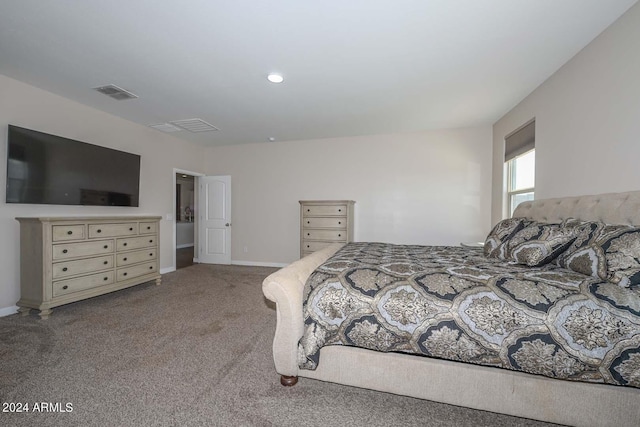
(520, 141)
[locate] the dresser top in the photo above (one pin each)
(323, 202)
(89, 218)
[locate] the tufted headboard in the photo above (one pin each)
(610, 208)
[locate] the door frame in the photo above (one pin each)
(175, 220)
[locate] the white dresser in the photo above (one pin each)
(323, 222)
(67, 259)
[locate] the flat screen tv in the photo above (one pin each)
(49, 169)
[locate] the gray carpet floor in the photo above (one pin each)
(194, 351)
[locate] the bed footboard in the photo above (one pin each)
(285, 288)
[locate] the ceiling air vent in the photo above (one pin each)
(195, 125)
(165, 127)
(115, 92)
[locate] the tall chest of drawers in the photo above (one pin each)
(323, 222)
(68, 259)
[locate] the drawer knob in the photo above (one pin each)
(106, 262)
(151, 268)
(151, 241)
(339, 210)
(151, 254)
(106, 278)
(106, 247)
(64, 251)
(65, 269)
(308, 234)
(130, 228)
(339, 235)
(124, 274)
(99, 231)
(149, 228)
(124, 244)
(308, 246)
(339, 222)
(69, 232)
(65, 287)
(308, 222)
(125, 259)
(308, 210)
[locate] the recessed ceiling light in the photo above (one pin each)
(271, 139)
(275, 78)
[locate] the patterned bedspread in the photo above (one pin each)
(454, 303)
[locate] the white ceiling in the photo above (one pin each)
(351, 67)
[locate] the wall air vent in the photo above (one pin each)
(195, 125)
(165, 127)
(116, 92)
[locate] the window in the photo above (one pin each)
(521, 179)
(520, 161)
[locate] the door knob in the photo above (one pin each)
(227, 224)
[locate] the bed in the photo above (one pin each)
(492, 387)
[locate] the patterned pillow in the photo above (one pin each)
(539, 244)
(612, 254)
(496, 242)
(587, 232)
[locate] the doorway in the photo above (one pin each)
(185, 220)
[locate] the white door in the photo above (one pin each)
(214, 234)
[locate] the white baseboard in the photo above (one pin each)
(167, 270)
(260, 264)
(186, 245)
(245, 263)
(8, 311)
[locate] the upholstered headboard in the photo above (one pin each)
(610, 208)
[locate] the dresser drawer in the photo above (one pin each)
(148, 227)
(135, 257)
(68, 286)
(81, 266)
(136, 270)
(324, 210)
(75, 250)
(67, 232)
(309, 246)
(112, 230)
(334, 235)
(136, 243)
(337, 222)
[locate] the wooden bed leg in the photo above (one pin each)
(288, 381)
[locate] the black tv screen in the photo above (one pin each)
(49, 169)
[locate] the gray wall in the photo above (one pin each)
(587, 120)
(26, 106)
(423, 188)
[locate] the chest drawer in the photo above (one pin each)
(75, 250)
(337, 222)
(136, 270)
(335, 235)
(324, 210)
(67, 232)
(112, 230)
(136, 243)
(309, 246)
(68, 286)
(129, 258)
(148, 227)
(81, 266)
